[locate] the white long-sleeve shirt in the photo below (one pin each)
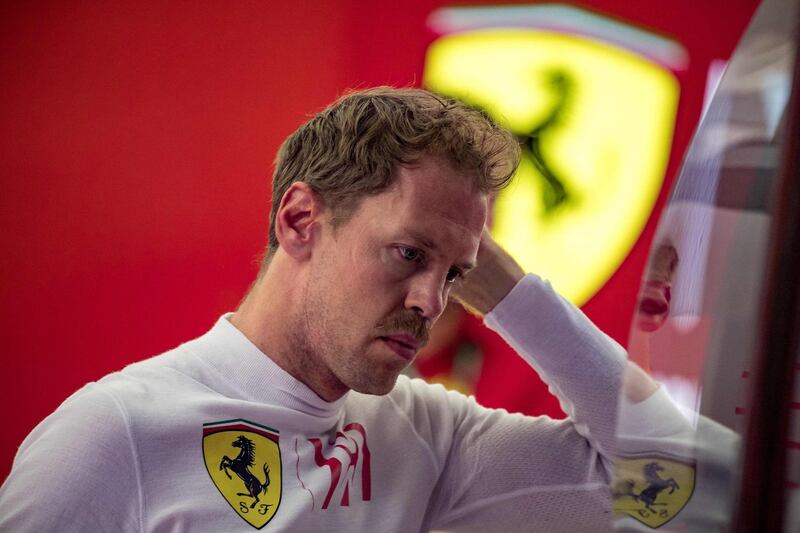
(151, 448)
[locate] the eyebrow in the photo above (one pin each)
(426, 242)
(422, 239)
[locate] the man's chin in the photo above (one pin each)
(376, 388)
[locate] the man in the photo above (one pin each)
(291, 414)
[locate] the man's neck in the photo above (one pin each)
(267, 317)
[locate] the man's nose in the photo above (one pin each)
(426, 295)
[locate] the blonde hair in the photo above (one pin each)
(349, 150)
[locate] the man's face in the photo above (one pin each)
(380, 280)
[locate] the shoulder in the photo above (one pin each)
(428, 410)
(67, 461)
(414, 395)
(144, 385)
(93, 427)
(92, 414)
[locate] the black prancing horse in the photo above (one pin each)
(555, 192)
(241, 467)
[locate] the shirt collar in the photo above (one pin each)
(257, 377)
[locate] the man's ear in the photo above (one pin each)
(298, 219)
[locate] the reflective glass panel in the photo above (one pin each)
(695, 329)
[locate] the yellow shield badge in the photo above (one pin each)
(652, 489)
(244, 461)
(595, 124)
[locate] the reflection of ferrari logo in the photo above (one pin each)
(244, 462)
(652, 489)
(595, 125)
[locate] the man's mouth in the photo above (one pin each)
(405, 346)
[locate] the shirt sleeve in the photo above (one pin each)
(76, 471)
(581, 365)
(509, 472)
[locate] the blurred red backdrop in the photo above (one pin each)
(136, 149)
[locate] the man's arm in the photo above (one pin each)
(534, 472)
(494, 278)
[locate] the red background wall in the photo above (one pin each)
(135, 155)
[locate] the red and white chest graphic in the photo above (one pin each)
(337, 471)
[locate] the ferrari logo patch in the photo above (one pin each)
(652, 489)
(244, 461)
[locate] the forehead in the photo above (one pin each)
(433, 201)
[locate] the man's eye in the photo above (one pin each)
(410, 254)
(453, 275)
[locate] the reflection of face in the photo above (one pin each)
(655, 296)
(381, 279)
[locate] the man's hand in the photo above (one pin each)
(494, 277)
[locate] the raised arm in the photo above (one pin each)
(494, 278)
(534, 472)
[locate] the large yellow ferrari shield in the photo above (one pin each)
(244, 461)
(652, 489)
(595, 124)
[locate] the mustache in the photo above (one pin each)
(408, 322)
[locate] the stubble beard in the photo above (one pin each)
(324, 354)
